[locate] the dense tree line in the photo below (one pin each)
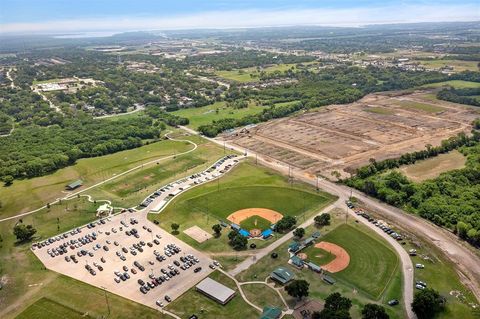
(36, 151)
(470, 96)
(450, 200)
(212, 130)
(168, 118)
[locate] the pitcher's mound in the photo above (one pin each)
(255, 232)
(268, 214)
(342, 258)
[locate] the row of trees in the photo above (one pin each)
(468, 96)
(410, 158)
(426, 304)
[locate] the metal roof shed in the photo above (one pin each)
(215, 290)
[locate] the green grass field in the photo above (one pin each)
(194, 302)
(318, 256)
(380, 110)
(45, 308)
(246, 186)
(458, 84)
(372, 262)
(206, 114)
(416, 106)
(255, 222)
(356, 236)
(131, 189)
(458, 65)
(433, 167)
(28, 194)
(245, 75)
(262, 295)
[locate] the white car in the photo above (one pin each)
(419, 266)
(159, 303)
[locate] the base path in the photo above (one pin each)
(268, 214)
(342, 258)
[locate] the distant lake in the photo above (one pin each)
(85, 35)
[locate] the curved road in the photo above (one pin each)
(69, 196)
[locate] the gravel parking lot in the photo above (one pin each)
(113, 232)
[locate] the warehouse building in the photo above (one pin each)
(215, 290)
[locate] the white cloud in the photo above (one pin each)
(257, 18)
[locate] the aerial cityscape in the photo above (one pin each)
(245, 159)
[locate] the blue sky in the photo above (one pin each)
(99, 15)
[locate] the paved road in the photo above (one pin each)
(71, 195)
(343, 194)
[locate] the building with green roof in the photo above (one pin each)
(282, 275)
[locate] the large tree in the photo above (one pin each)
(427, 303)
(299, 232)
(336, 307)
(237, 240)
(374, 311)
(322, 220)
(217, 229)
(23, 232)
(298, 288)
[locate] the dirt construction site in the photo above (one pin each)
(333, 141)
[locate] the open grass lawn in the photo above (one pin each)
(355, 235)
(206, 114)
(255, 222)
(131, 189)
(458, 65)
(380, 110)
(458, 84)
(245, 75)
(25, 195)
(194, 302)
(26, 280)
(45, 308)
(416, 106)
(246, 186)
(318, 256)
(440, 275)
(433, 167)
(262, 295)
(372, 262)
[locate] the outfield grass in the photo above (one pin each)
(194, 302)
(372, 262)
(255, 222)
(346, 285)
(246, 186)
(206, 114)
(28, 281)
(458, 84)
(28, 194)
(458, 65)
(417, 106)
(433, 167)
(262, 295)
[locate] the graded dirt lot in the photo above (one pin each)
(175, 287)
(337, 139)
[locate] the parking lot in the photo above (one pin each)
(117, 251)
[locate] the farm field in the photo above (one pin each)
(335, 140)
(131, 189)
(25, 195)
(432, 167)
(246, 186)
(458, 84)
(194, 302)
(206, 114)
(458, 65)
(25, 280)
(389, 286)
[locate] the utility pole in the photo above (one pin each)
(317, 183)
(224, 147)
(256, 158)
